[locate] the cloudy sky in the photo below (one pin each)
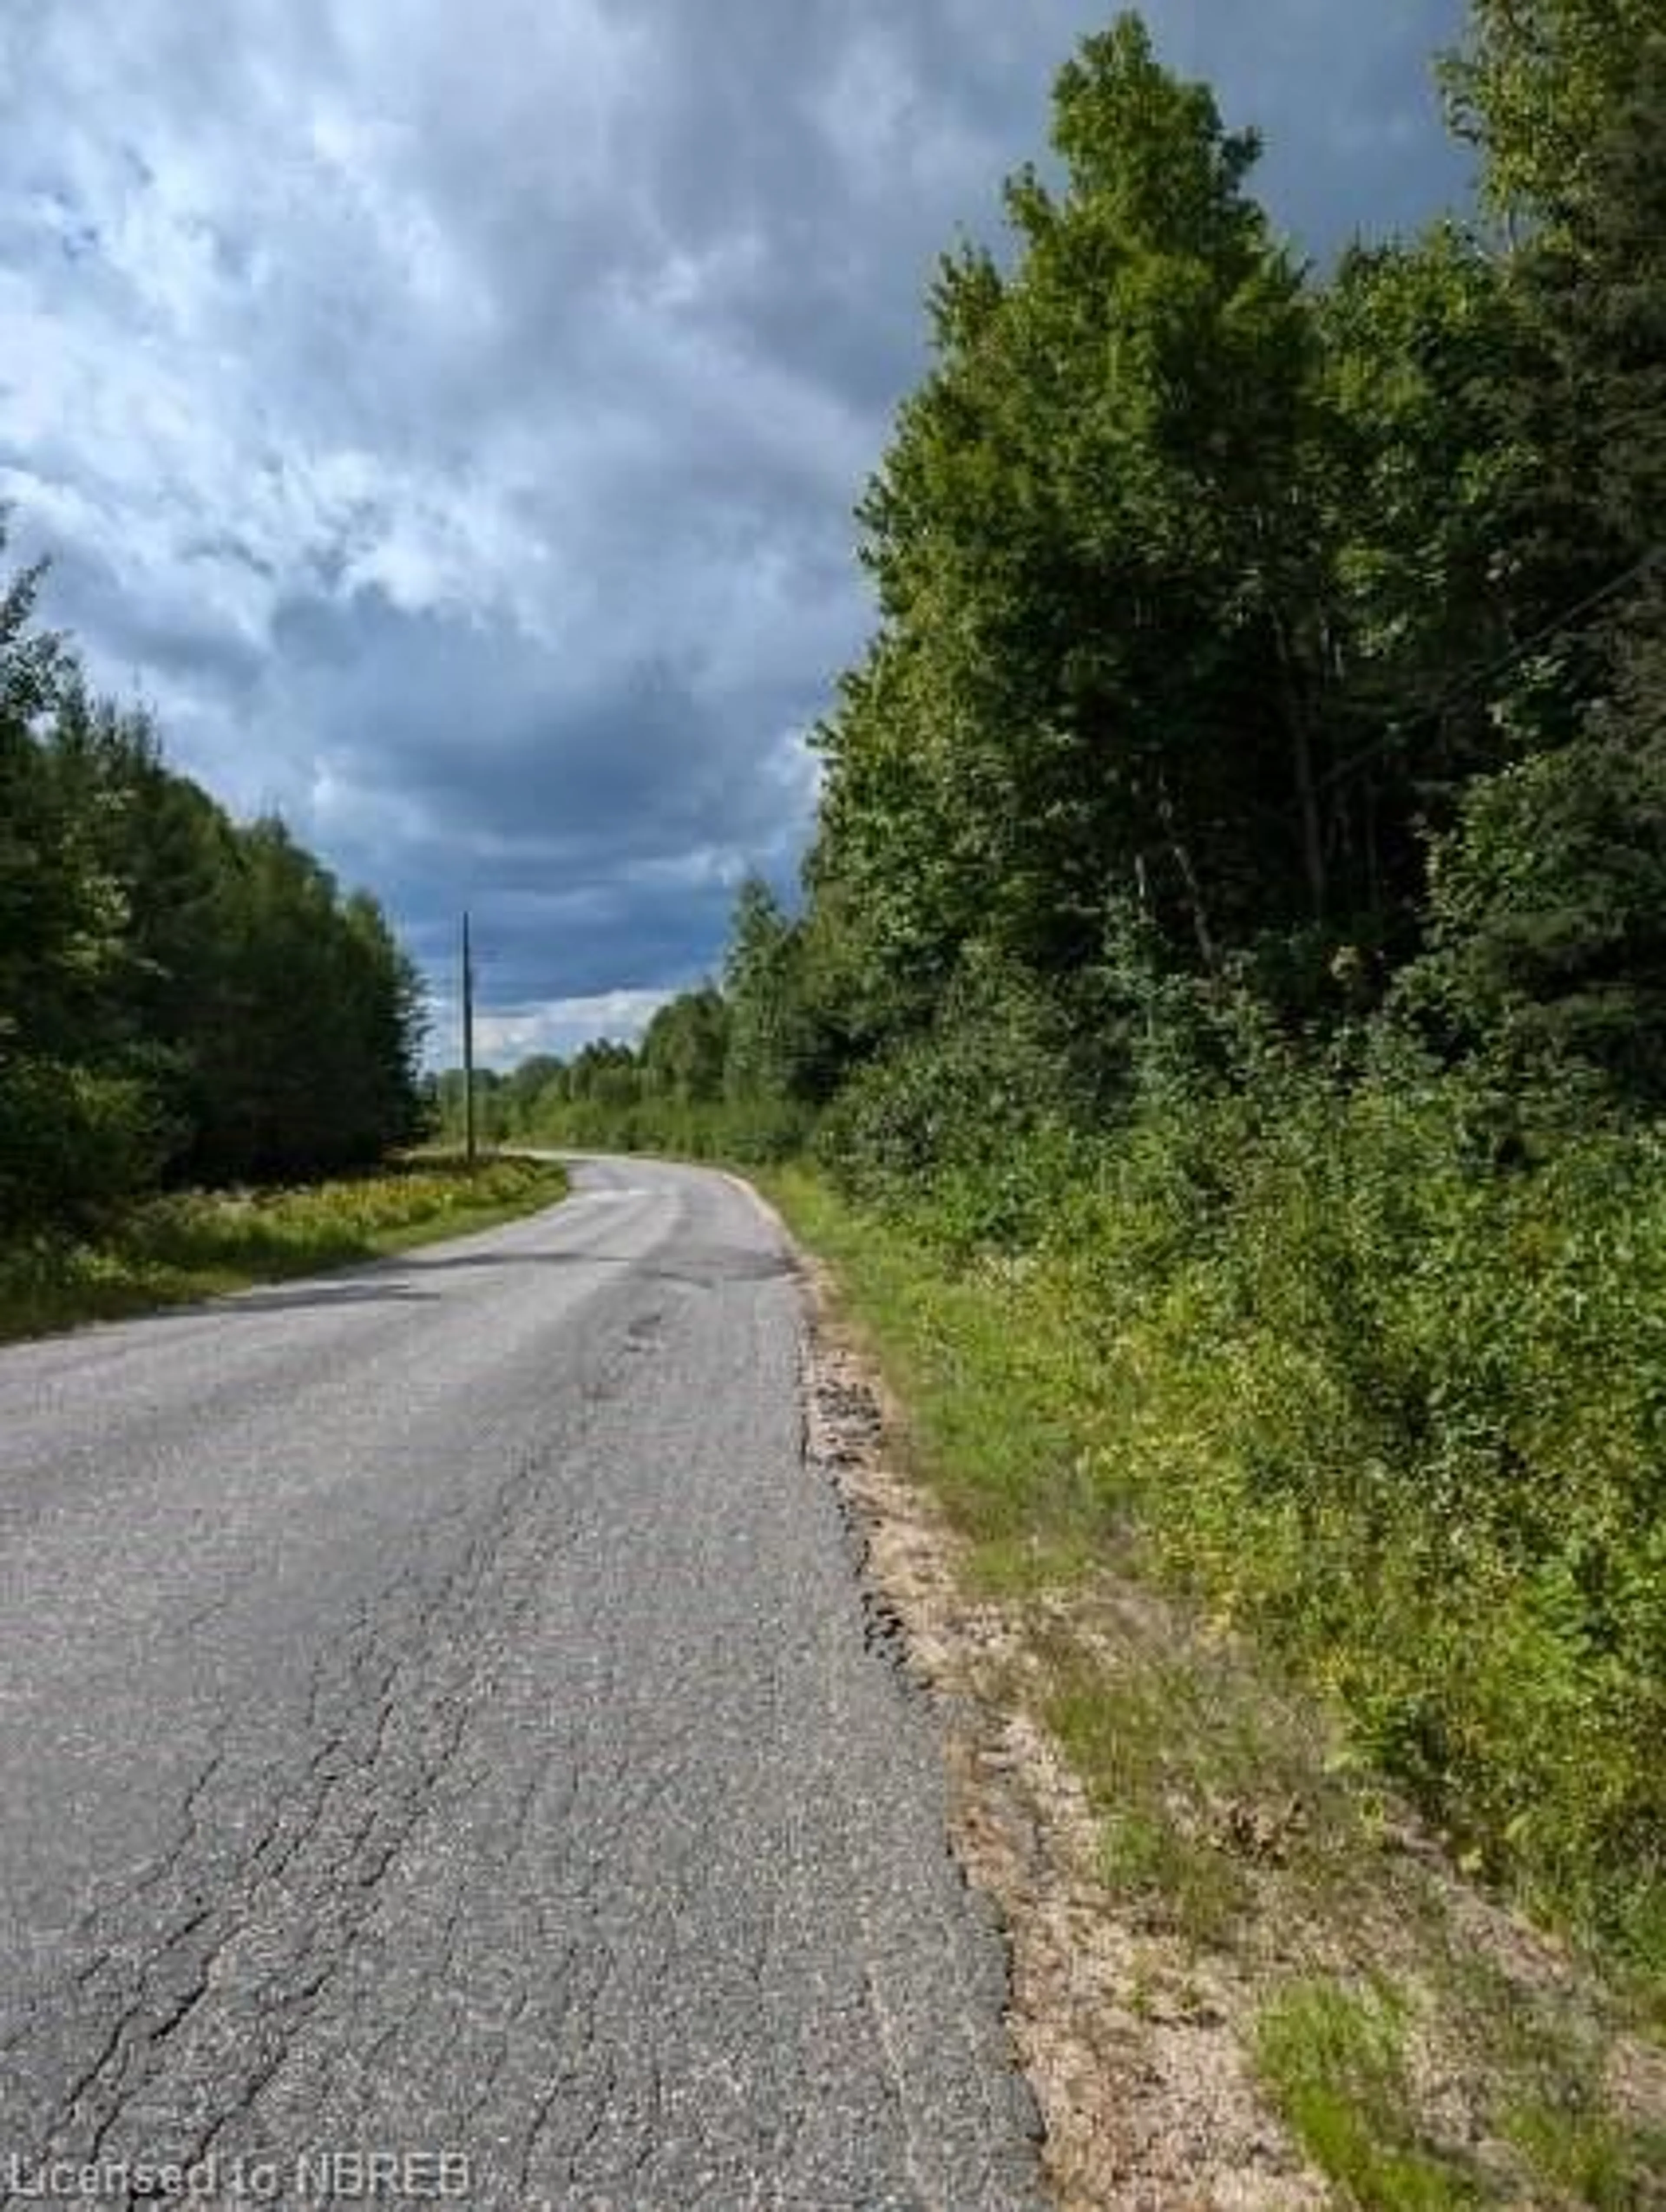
(447, 413)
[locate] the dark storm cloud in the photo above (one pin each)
(475, 731)
(452, 420)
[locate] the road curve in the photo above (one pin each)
(437, 1726)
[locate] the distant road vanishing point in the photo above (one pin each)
(443, 1760)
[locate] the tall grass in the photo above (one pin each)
(1393, 1403)
(193, 1244)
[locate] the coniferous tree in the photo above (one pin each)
(177, 996)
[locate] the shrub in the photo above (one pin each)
(74, 1143)
(1396, 1407)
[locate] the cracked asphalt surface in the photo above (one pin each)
(440, 1716)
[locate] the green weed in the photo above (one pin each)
(1333, 2061)
(1398, 1414)
(1117, 1398)
(196, 1244)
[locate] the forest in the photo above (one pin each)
(184, 1000)
(1234, 934)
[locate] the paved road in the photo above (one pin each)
(436, 1722)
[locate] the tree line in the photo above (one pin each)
(1296, 634)
(183, 998)
(1239, 886)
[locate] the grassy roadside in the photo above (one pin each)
(1423, 2046)
(198, 1244)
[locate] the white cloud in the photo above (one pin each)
(560, 1026)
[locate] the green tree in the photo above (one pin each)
(1548, 914)
(529, 1091)
(62, 910)
(78, 1131)
(684, 1049)
(1099, 674)
(769, 1045)
(1426, 582)
(1549, 900)
(1595, 292)
(175, 993)
(1533, 87)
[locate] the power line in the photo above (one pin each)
(468, 1045)
(1556, 628)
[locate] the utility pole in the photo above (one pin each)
(468, 1046)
